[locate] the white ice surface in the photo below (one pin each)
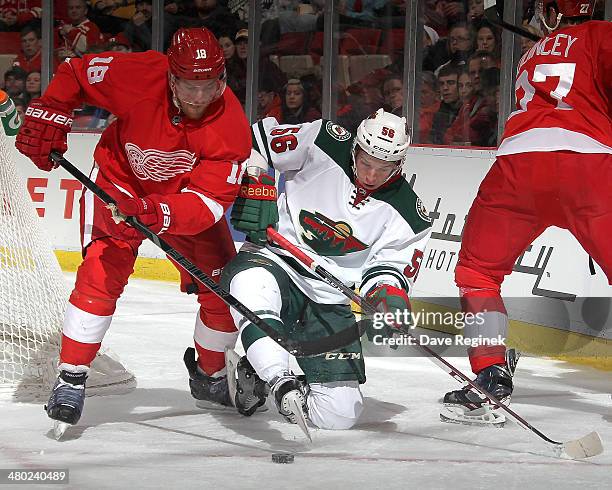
(154, 437)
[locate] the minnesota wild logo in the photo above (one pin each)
(328, 237)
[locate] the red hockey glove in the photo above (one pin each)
(389, 299)
(44, 129)
(151, 211)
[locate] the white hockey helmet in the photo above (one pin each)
(383, 135)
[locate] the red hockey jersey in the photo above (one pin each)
(150, 148)
(564, 93)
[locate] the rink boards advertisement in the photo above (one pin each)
(551, 284)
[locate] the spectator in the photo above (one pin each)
(454, 50)
(449, 95)
(441, 14)
(288, 16)
(487, 126)
(31, 44)
(527, 43)
(268, 99)
(237, 68)
(106, 15)
(140, 27)
(430, 37)
(476, 123)
(14, 14)
(475, 11)
(242, 43)
(227, 44)
(359, 12)
(487, 39)
(138, 30)
(120, 43)
(215, 17)
(14, 82)
(80, 33)
(464, 86)
(462, 131)
(393, 94)
(295, 105)
(20, 105)
(479, 61)
(32, 85)
(430, 104)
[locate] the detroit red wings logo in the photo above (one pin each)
(158, 165)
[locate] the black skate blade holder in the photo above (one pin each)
(584, 447)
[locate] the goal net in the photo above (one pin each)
(33, 297)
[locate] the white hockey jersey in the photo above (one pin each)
(362, 241)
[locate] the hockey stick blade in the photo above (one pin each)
(298, 349)
(585, 447)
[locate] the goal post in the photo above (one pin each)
(33, 298)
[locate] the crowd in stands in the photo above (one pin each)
(459, 79)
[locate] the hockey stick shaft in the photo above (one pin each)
(320, 271)
(492, 15)
(438, 360)
(298, 349)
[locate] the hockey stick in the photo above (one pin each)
(584, 447)
(493, 15)
(298, 349)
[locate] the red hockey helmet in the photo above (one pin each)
(195, 54)
(574, 8)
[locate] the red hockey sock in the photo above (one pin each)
(210, 362)
(483, 356)
(78, 353)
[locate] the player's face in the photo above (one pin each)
(372, 172)
(196, 95)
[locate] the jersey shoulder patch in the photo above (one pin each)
(337, 143)
(404, 200)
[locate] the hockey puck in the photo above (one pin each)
(282, 458)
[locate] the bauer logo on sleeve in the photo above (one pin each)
(337, 132)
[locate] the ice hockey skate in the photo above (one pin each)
(210, 392)
(466, 406)
(65, 404)
(290, 394)
(247, 390)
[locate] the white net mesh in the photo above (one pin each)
(33, 297)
